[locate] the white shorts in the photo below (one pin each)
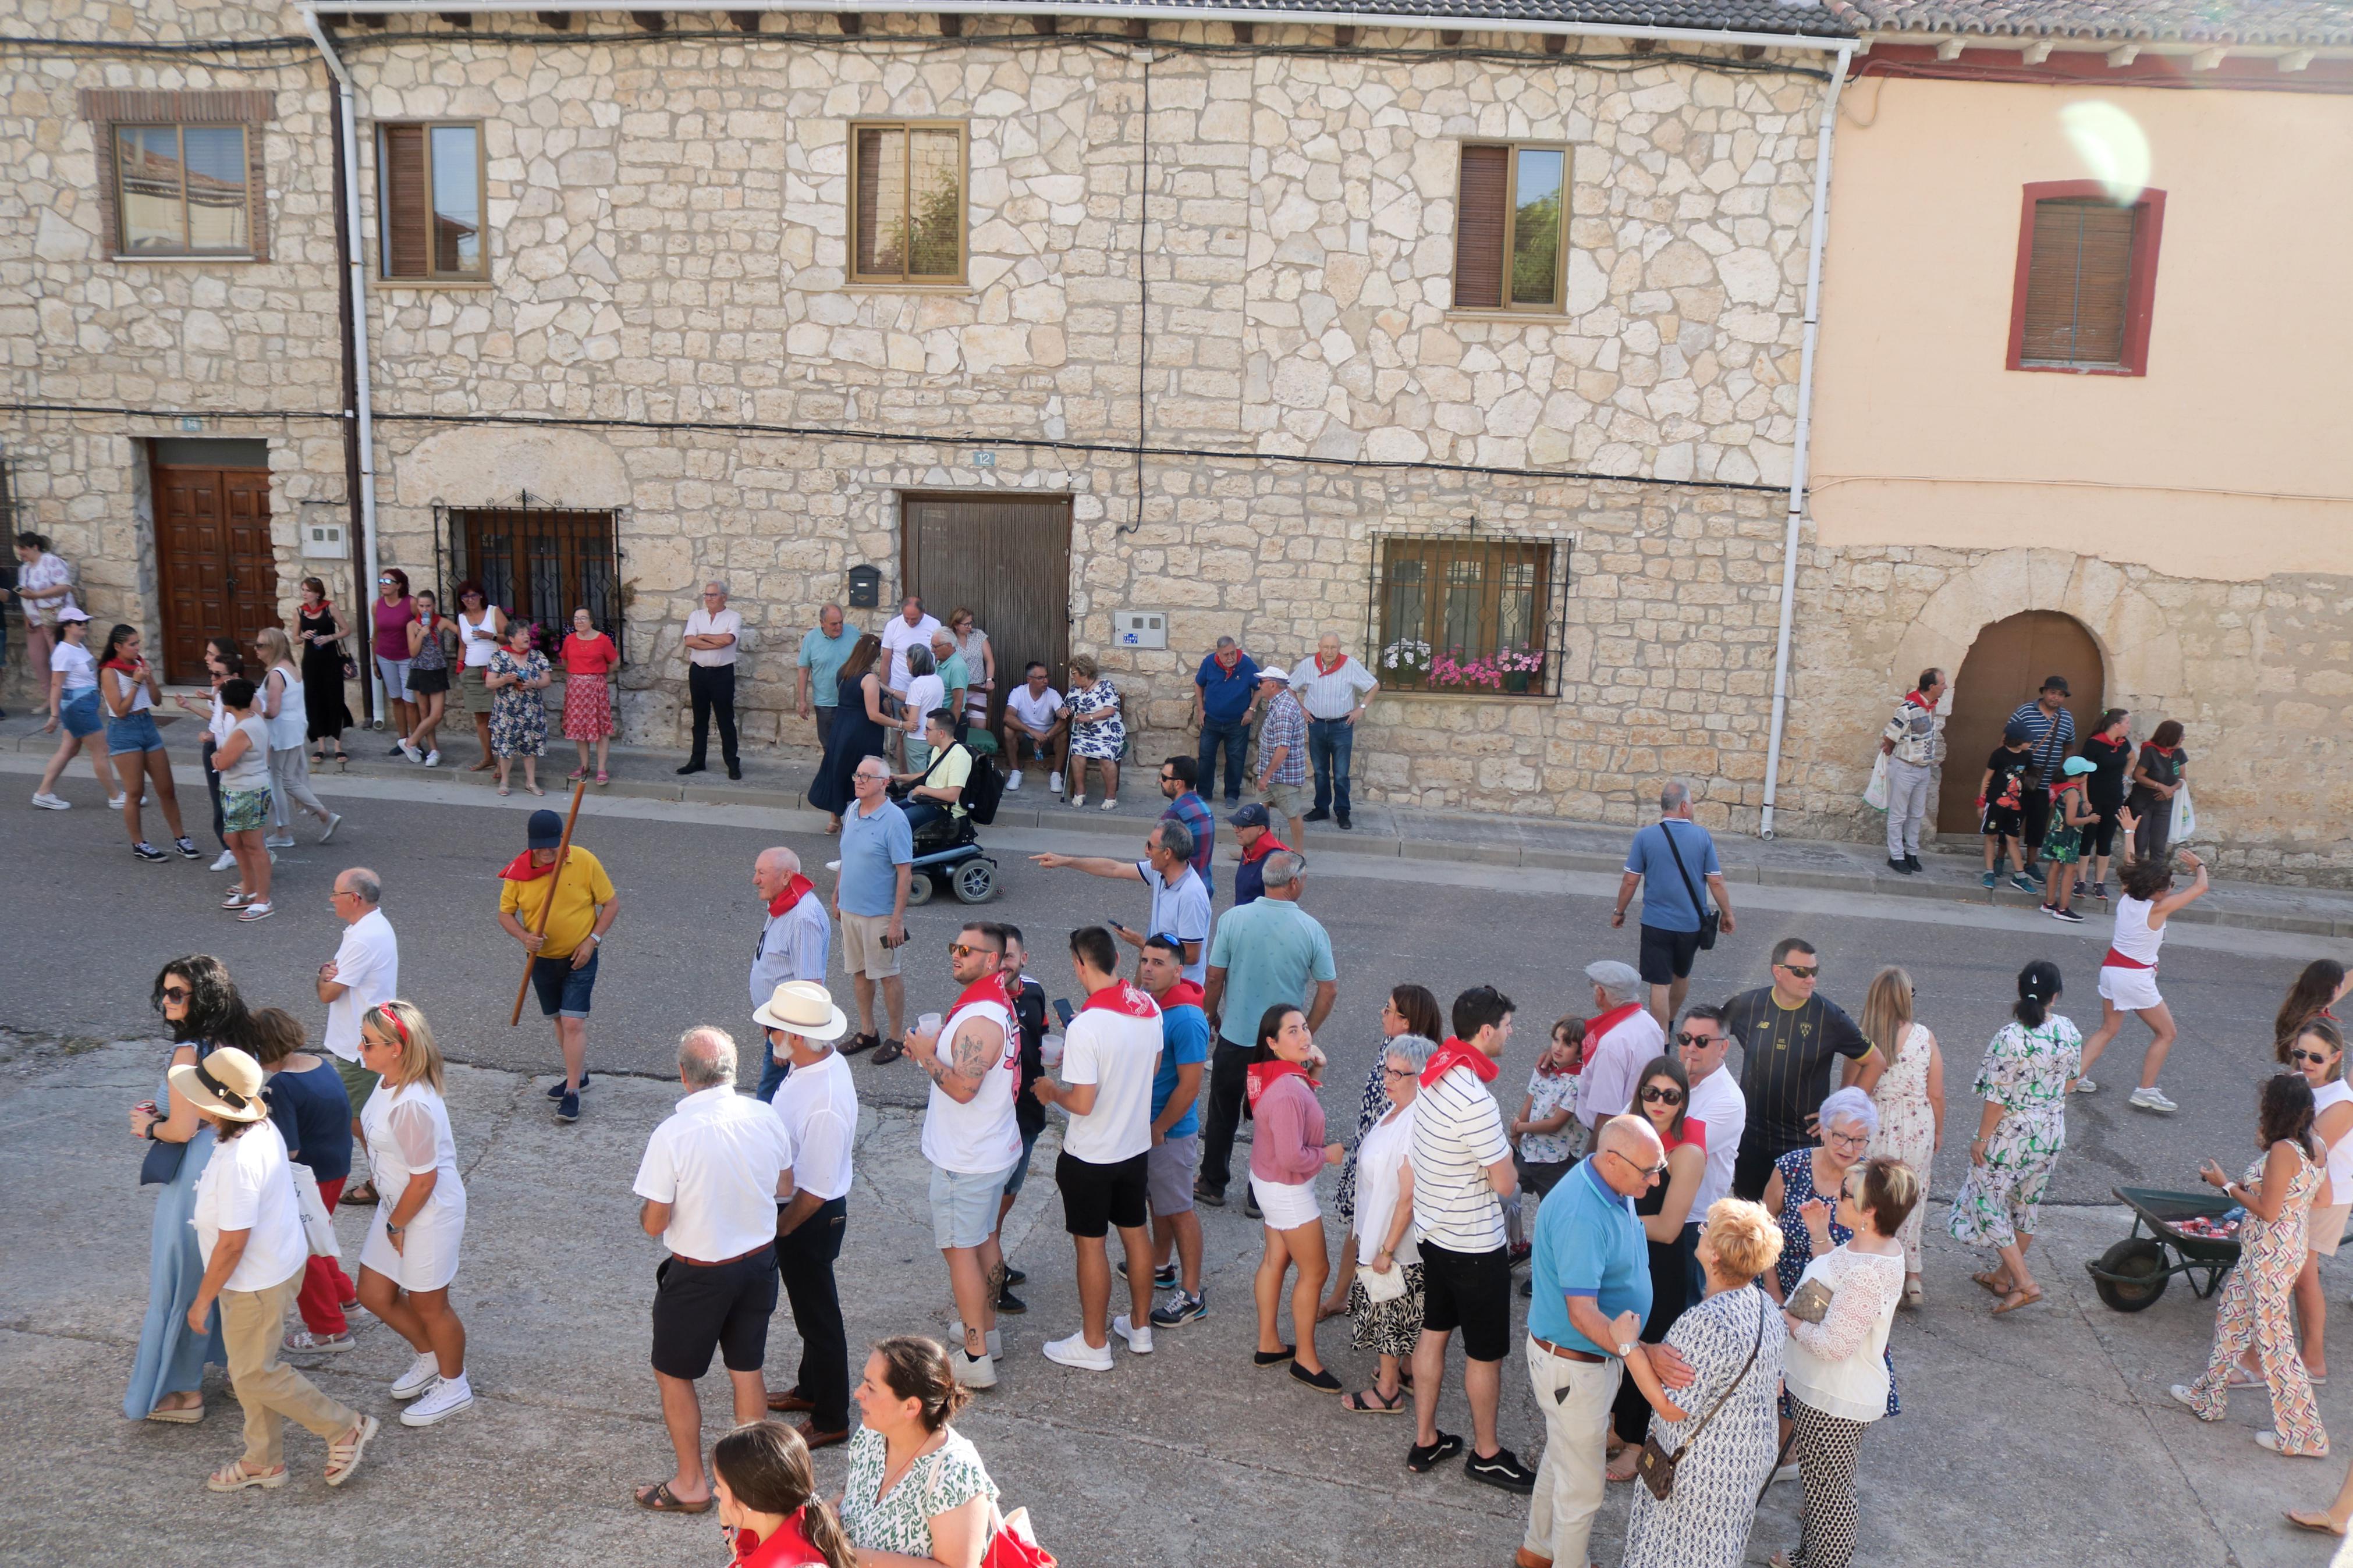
(428, 1258)
(2324, 1228)
(1285, 1207)
(2132, 989)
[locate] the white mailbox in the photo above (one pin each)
(1139, 628)
(323, 542)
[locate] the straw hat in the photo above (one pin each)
(227, 1084)
(803, 1007)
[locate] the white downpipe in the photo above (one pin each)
(363, 399)
(1805, 435)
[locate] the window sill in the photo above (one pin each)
(1405, 694)
(2056, 369)
(207, 256)
(856, 287)
(434, 283)
(1523, 318)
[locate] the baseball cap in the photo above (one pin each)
(1273, 673)
(2011, 735)
(1251, 815)
(546, 830)
(71, 613)
(2057, 683)
(2080, 765)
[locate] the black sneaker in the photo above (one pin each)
(1912, 864)
(1213, 1197)
(149, 853)
(556, 1089)
(1014, 1276)
(187, 848)
(1007, 1302)
(1500, 1469)
(1898, 866)
(1419, 1459)
(1181, 1309)
(567, 1108)
(1163, 1276)
(1318, 815)
(2056, 913)
(692, 768)
(1250, 1208)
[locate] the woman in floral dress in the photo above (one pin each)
(1910, 1095)
(2024, 1083)
(916, 1487)
(518, 673)
(1098, 733)
(2277, 1192)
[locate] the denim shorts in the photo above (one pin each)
(964, 1207)
(563, 990)
(136, 734)
(1021, 1166)
(82, 715)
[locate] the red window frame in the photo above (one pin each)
(2140, 298)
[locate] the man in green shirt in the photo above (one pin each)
(1264, 952)
(953, 674)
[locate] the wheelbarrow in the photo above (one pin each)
(2131, 1275)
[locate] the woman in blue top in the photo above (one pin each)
(313, 1113)
(200, 1002)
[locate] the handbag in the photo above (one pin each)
(160, 1165)
(1709, 919)
(1875, 794)
(1657, 1467)
(1013, 1544)
(318, 1225)
(1810, 1302)
(1379, 1286)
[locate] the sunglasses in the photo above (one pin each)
(1796, 973)
(176, 993)
(965, 949)
(2317, 1059)
(1654, 1095)
(1686, 1037)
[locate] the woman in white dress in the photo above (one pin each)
(1910, 1095)
(411, 1252)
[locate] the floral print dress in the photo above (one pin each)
(2255, 1313)
(518, 717)
(900, 1520)
(1908, 1126)
(2026, 1071)
(1796, 1168)
(1103, 742)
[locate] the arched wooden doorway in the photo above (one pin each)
(2007, 666)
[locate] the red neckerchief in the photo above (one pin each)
(1323, 669)
(1456, 1053)
(1184, 993)
(987, 988)
(128, 670)
(789, 1547)
(1229, 662)
(1267, 844)
(1919, 701)
(2162, 751)
(521, 869)
(1597, 1027)
(794, 891)
(1124, 999)
(1263, 1075)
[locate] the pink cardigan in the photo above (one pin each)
(1288, 1146)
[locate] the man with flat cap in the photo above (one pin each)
(818, 1105)
(566, 942)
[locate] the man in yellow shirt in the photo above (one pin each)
(937, 792)
(564, 957)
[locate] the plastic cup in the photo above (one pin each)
(928, 1023)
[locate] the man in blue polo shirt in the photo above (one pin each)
(1224, 690)
(1592, 1290)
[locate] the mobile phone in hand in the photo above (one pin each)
(1062, 1011)
(1111, 922)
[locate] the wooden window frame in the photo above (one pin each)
(2140, 295)
(902, 279)
(187, 250)
(1419, 650)
(109, 110)
(1558, 304)
(429, 278)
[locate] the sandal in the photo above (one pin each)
(236, 1478)
(533, 788)
(1370, 1403)
(2017, 1298)
(364, 1196)
(890, 1051)
(482, 767)
(503, 789)
(603, 777)
(576, 775)
(1611, 1471)
(343, 1454)
(857, 1043)
(2315, 1520)
(178, 1414)
(659, 1498)
(1992, 1279)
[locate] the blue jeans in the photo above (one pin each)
(772, 1072)
(1234, 736)
(1330, 743)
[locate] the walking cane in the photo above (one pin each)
(555, 880)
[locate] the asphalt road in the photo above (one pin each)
(89, 926)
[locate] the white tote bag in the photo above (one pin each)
(318, 1225)
(1379, 1286)
(1875, 794)
(2185, 816)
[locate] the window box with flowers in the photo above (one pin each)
(1463, 617)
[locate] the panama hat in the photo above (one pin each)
(227, 1084)
(803, 1007)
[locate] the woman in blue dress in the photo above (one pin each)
(200, 1004)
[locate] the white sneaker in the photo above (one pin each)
(422, 1374)
(411, 752)
(1110, 803)
(1786, 1473)
(227, 862)
(432, 758)
(1139, 1341)
(2180, 1392)
(449, 1396)
(993, 1341)
(1012, 782)
(278, 841)
(49, 802)
(334, 820)
(114, 802)
(1054, 783)
(971, 1373)
(2152, 1099)
(2086, 1086)
(1075, 1351)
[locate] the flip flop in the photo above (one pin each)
(1370, 1403)
(362, 1195)
(2314, 1519)
(659, 1498)
(2017, 1298)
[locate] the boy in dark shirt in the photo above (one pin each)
(1028, 1113)
(2001, 800)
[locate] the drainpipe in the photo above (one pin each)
(361, 406)
(1805, 435)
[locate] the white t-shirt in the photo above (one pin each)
(251, 768)
(218, 724)
(80, 665)
(248, 1185)
(1384, 1153)
(979, 1137)
(1181, 909)
(898, 636)
(1118, 1054)
(818, 1107)
(1037, 712)
(1717, 1101)
(717, 1161)
(1457, 1134)
(367, 966)
(926, 692)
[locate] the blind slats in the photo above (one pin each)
(2079, 283)
(1478, 229)
(408, 225)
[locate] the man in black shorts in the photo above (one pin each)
(1790, 1039)
(1670, 861)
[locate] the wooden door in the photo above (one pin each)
(2007, 666)
(1008, 560)
(213, 562)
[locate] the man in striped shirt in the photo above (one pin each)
(1461, 1172)
(1335, 691)
(2050, 732)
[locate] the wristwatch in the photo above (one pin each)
(1625, 1349)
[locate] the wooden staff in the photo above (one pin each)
(555, 880)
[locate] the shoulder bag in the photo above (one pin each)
(1657, 1467)
(318, 1225)
(160, 1167)
(1013, 1544)
(1708, 919)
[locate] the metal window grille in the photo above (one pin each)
(1470, 617)
(535, 561)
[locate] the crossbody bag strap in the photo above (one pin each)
(1725, 1397)
(1698, 904)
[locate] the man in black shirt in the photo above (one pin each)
(1790, 1039)
(1029, 1111)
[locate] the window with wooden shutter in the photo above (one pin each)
(430, 185)
(1471, 618)
(907, 219)
(182, 189)
(2085, 280)
(1511, 236)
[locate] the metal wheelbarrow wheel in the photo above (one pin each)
(2131, 1275)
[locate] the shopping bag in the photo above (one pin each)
(2185, 816)
(1875, 794)
(318, 1225)
(1015, 1544)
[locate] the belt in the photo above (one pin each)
(2115, 959)
(1564, 1353)
(721, 1262)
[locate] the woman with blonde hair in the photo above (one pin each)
(411, 1252)
(286, 711)
(1910, 1095)
(1098, 731)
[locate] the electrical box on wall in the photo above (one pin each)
(1139, 628)
(324, 542)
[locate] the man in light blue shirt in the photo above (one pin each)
(825, 648)
(1670, 898)
(870, 900)
(1263, 952)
